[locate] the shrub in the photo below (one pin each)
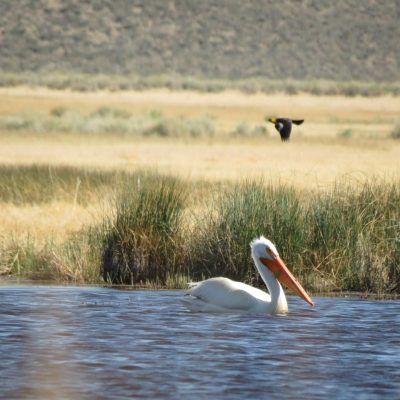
(244, 129)
(58, 112)
(395, 133)
(346, 133)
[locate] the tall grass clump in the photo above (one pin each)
(353, 239)
(345, 239)
(243, 212)
(143, 241)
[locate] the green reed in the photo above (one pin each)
(354, 236)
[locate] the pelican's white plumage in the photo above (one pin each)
(224, 295)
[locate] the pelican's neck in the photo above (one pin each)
(278, 298)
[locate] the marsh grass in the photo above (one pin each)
(347, 238)
(235, 217)
(144, 240)
(355, 236)
(76, 260)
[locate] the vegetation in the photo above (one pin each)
(164, 231)
(346, 134)
(143, 242)
(41, 184)
(224, 39)
(395, 133)
(245, 130)
(85, 82)
(107, 120)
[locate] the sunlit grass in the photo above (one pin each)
(162, 230)
(143, 239)
(113, 222)
(35, 184)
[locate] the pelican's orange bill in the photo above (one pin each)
(282, 273)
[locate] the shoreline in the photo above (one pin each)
(15, 281)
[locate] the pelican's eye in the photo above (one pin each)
(271, 253)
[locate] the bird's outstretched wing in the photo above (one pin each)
(298, 121)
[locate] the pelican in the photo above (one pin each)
(224, 295)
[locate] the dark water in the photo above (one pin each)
(95, 343)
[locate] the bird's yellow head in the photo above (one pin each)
(273, 120)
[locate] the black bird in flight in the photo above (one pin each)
(284, 126)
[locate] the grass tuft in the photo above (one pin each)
(144, 239)
(395, 133)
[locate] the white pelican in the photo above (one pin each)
(224, 295)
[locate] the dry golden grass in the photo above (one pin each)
(41, 222)
(304, 163)
(315, 155)
(314, 158)
(229, 108)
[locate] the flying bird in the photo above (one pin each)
(284, 126)
(224, 295)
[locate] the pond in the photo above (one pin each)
(101, 343)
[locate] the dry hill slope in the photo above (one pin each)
(341, 40)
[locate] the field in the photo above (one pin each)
(342, 138)
(66, 155)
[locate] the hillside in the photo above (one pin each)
(341, 40)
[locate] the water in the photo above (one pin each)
(96, 343)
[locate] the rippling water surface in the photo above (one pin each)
(96, 343)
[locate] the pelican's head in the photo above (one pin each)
(262, 247)
(264, 251)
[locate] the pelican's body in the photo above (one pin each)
(224, 295)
